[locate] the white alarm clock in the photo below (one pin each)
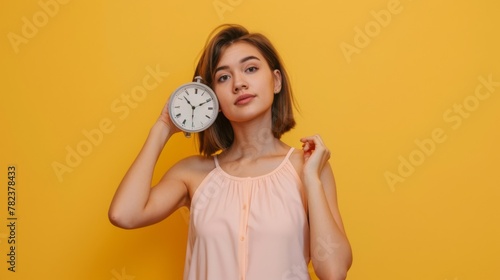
(193, 107)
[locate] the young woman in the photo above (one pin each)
(259, 209)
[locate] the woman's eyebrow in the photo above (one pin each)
(243, 60)
(248, 58)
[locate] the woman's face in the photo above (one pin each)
(244, 83)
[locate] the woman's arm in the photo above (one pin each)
(330, 249)
(135, 204)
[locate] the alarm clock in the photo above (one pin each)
(193, 107)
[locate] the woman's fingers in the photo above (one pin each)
(312, 143)
(165, 119)
(316, 154)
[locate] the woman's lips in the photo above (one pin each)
(244, 99)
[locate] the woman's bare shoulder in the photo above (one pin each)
(191, 171)
(194, 164)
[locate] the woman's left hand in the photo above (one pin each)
(316, 155)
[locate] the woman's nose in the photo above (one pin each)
(239, 83)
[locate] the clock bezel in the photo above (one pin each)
(181, 88)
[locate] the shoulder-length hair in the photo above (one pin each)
(220, 135)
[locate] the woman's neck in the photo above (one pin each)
(253, 140)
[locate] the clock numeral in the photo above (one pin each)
(178, 115)
(177, 107)
(210, 108)
(210, 99)
(203, 93)
(208, 116)
(195, 91)
(184, 122)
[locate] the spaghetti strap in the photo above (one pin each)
(289, 153)
(216, 161)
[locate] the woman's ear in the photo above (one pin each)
(277, 81)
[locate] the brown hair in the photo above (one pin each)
(220, 135)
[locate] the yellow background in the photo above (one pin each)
(370, 105)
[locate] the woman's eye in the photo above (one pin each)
(252, 69)
(223, 78)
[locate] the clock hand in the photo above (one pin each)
(192, 118)
(208, 100)
(189, 103)
(192, 115)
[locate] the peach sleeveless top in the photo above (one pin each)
(252, 228)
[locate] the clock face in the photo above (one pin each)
(193, 107)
